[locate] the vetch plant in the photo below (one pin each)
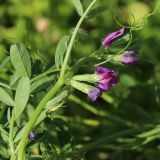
(49, 91)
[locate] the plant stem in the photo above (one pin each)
(35, 116)
(11, 133)
(83, 104)
(64, 66)
(107, 98)
(53, 91)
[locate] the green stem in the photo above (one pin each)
(35, 116)
(53, 91)
(83, 104)
(13, 157)
(107, 98)
(64, 66)
(11, 133)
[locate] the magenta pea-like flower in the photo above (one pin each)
(94, 94)
(107, 78)
(103, 79)
(111, 37)
(128, 57)
(31, 135)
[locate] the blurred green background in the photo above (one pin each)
(134, 102)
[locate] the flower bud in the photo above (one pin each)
(127, 57)
(93, 93)
(31, 135)
(111, 37)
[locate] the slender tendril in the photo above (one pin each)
(129, 27)
(141, 24)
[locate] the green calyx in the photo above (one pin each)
(90, 78)
(83, 87)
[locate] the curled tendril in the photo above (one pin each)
(129, 27)
(132, 28)
(143, 21)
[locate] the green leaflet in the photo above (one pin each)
(22, 95)
(20, 59)
(41, 83)
(60, 50)
(97, 11)
(5, 98)
(4, 63)
(78, 6)
(4, 152)
(3, 131)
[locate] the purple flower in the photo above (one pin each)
(31, 135)
(127, 57)
(111, 37)
(108, 78)
(94, 94)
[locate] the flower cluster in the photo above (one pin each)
(103, 78)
